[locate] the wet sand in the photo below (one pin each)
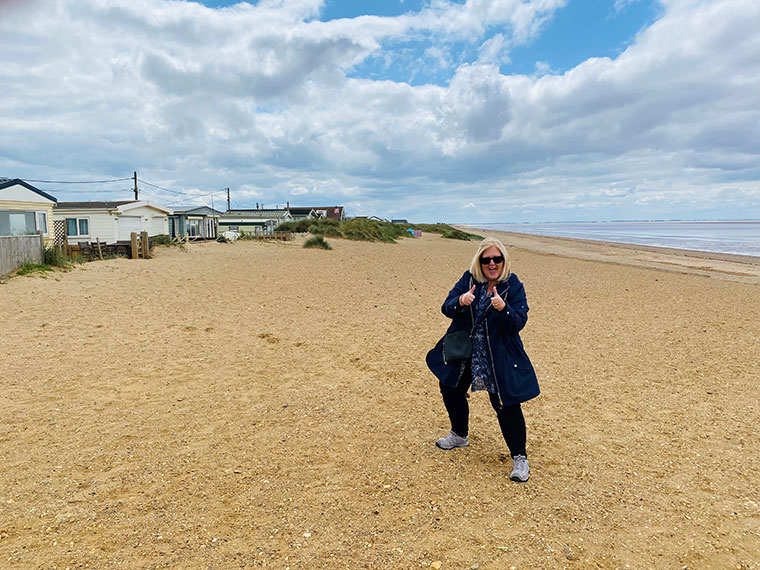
(259, 405)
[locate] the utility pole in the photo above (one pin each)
(136, 197)
(228, 200)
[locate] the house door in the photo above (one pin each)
(127, 225)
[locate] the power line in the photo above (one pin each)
(180, 193)
(150, 195)
(160, 187)
(67, 191)
(76, 181)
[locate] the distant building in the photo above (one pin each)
(110, 222)
(201, 222)
(331, 212)
(25, 209)
(258, 221)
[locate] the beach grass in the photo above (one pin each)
(317, 242)
(367, 229)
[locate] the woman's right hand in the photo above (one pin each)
(466, 299)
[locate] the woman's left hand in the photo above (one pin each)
(496, 301)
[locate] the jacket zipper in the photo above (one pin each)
(493, 368)
(490, 351)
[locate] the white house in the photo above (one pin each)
(25, 209)
(110, 222)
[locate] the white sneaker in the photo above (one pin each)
(521, 470)
(451, 441)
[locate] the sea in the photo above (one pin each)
(737, 237)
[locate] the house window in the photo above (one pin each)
(235, 229)
(17, 223)
(42, 222)
(77, 227)
(193, 228)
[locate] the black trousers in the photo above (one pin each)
(511, 419)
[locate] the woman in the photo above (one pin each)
(492, 300)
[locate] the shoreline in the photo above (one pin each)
(727, 266)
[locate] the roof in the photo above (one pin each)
(91, 205)
(200, 210)
(300, 211)
(121, 206)
(7, 183)
(257, 213)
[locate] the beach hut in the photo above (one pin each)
(201, 222)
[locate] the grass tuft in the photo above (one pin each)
(56, 258)
(28, 268)
(318, 242)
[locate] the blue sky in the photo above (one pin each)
(459, 111)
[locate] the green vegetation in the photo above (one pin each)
(56, 258)
(28, 268)
(162, 239)
(365, 229)
(446, 231)
(317, 241)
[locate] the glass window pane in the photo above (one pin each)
(5, 223)
(42, 222)
(84, 227)
(30, 223)
(20, 223)
(71, 226)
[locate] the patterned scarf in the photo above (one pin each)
(482, 370)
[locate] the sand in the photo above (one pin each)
(260, 405)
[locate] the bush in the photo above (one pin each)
(301, 226)
(446, 231)
(364, 229)
(317, 241)
(56, 258)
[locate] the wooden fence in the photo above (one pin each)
(138, 246)
(15, 251)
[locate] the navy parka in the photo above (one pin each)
(515, 377)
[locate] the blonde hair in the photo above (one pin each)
(477, 270)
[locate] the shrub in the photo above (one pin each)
(301, 226)
(56, 258)
(364, 229)
(317, 241)
(446, 231)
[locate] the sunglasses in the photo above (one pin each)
(496, 259)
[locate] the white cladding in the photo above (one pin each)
(111, 225)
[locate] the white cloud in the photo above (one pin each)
(264, 98)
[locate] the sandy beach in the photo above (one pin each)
(261, 405)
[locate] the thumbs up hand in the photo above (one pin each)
(466, 299)
(496, 301)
